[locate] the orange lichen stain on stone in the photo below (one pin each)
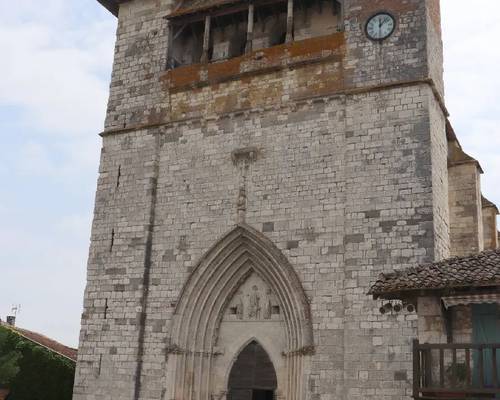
(255, 63)
(318, 79)
(316, 46)
(224, 69)
(268, 93)
(183, 76)
(179, 109)
(259, 79)
(225, 103)
(184, 107)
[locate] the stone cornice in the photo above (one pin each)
(292, 103)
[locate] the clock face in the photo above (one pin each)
(380, 26)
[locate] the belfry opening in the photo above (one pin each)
(252, 376)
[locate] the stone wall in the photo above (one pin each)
(348, 181)
(432, 326)
(337, 198)
(466, 223)
(490, 228)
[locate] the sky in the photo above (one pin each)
(55, 71)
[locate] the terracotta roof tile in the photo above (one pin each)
(46, 342)
(477, 270)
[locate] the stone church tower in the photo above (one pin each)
(262, 163)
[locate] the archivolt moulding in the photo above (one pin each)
(199, 311)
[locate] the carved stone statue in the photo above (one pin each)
(267, 305)
(254, 304)
(239, 307)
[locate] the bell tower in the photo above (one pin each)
(262, 163)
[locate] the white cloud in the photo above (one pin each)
(76, 225)
(473, 83)
(56, 66)
(57, 72)
(67, 162)
(34, 159)
(55, 69)
(46, 275)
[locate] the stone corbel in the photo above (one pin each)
(244, 155)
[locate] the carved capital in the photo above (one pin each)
(303, 351)
(175, 349)
(244, 155)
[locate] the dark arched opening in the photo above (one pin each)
(253, 376)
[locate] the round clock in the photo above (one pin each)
(380, 26)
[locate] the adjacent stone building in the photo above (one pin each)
(262, 163)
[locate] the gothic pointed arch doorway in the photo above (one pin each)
(242, 288)
(252, 376)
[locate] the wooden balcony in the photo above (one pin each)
(456, 371)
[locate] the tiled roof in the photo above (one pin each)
(477, 270)
(46, 342)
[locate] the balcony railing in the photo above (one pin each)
(456, 371)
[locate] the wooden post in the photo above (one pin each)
(481, 368)
(248, 47)
(170, 63)
(454, 368)
(289, 22)
(340, 16)
(428, 368)
(495, 367)
(206, 40)
(467, 366)
(441, 368)
(416, 369)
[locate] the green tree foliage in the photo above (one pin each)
(9, 358)
(42, 374)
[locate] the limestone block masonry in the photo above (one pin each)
(256, 199)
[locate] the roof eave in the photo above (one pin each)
(436, 291)
(488, 204)
(112, 5)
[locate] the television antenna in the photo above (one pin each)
(16, 309)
